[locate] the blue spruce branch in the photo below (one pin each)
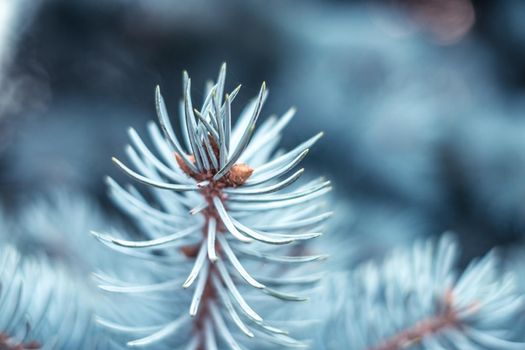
(418, 299)
(47, 299)
(43, 305)
(222, 227)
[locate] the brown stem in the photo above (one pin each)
(237, 176)
(413, 335)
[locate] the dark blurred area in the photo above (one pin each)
(422, 101)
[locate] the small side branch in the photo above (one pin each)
(424, 328)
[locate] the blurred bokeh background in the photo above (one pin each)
(422, 101)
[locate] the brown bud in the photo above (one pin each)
(190, 251)
(239, 173)
(183, 165)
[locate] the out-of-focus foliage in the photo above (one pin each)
(57, 224)
(418, 298)
(44, 302)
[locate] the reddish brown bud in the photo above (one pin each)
(190, 251)
(183, 165)
(239, 173)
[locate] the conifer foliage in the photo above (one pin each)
(227, 210)
(418, 299)
(223, 251)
